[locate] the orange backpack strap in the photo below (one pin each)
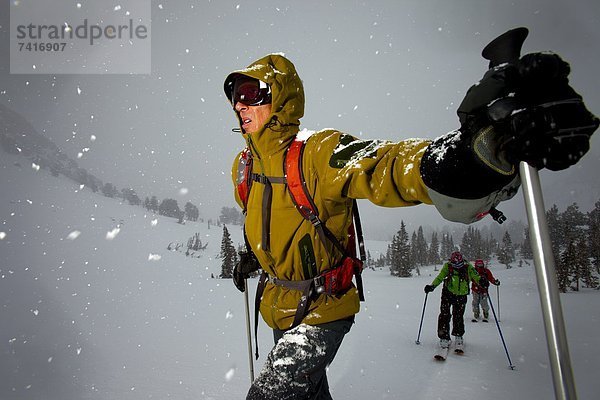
(307, 208)
(244, 176)
(300, 195)
(296, 183)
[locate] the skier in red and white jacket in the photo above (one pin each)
(480, 293)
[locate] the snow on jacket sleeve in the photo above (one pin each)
(385, 173)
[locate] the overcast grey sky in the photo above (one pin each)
(375, 69)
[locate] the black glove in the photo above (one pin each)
(483, 282)
(242, 270)
(497, 282)
(451, 165)
(429, 288)
(525, 111)
(535, 115)
(546, 123)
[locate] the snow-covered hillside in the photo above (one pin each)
(94, 306)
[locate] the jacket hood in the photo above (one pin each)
(287, 102)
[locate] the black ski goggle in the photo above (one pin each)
(250, 92)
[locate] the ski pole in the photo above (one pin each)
(510, 364)
(498, 302)
(558, 350)
(421, 324)
(507, 48)
(248, 332)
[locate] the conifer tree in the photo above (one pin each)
(554, 230)
(574, 260)
(594, 236)
(414, 257)
(191, 211)
(447, 246)
(562, 270)
(169, 208)
(421, 251)
(228, 255)
(467, 245)
(526, 251)
(581, 266)
(434, 249)
(154, 204)
(392, 255)
(506, 254)
(399, 254)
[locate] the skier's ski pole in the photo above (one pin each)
(507, 48)
(510, 364)
(564, 382)
(248, 332)
(421, 324)
(498, 302)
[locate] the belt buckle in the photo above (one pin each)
(319, 283)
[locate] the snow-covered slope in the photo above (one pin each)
(94, 306)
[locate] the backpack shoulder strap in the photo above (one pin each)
(296, 183)
(304, 203)
(244, 176)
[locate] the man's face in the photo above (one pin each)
(253, 117)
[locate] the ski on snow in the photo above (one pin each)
(459, 349)
(443, 352)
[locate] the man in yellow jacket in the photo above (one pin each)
(268, 100)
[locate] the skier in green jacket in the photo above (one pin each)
(457, 275)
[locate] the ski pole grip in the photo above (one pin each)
(506, 48)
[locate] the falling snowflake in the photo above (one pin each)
(73, 235)
(112, 234)
(154, 257)
(229, 375)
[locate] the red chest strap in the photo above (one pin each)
(244, 173)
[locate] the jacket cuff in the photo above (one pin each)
(470, 210)
(451, 167)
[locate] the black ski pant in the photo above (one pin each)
(296, 367)
(458, 305)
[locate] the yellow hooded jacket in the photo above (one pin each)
(337, 168)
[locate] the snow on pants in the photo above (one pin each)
(458, 304)
(295, 368)
(480, 299)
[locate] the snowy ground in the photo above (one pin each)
(94, 306)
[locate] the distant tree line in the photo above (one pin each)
(575, 237)
(20, 138)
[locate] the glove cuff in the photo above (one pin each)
(451, 167)
(485, 145)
